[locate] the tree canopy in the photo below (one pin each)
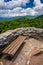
(21, 22)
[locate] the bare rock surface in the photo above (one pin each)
(36, 60)
(6, 37)
(25, 52)
(33, 44)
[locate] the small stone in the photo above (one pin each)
(28, 62)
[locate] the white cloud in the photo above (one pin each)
(37, 2)
(38, 7)
(18, 10)
(13, 3)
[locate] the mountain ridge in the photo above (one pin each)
(17, 17)
(21, 22)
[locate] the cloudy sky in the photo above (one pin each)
(13, 8)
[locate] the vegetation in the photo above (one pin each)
(22, 22)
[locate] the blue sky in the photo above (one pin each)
(13, 8)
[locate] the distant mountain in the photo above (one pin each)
(41, 17)
(7, 19)
(20, 17)
(13, 18)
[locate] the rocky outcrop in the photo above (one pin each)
(10, 35)
(33, 44)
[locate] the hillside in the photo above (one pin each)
(21, 22)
